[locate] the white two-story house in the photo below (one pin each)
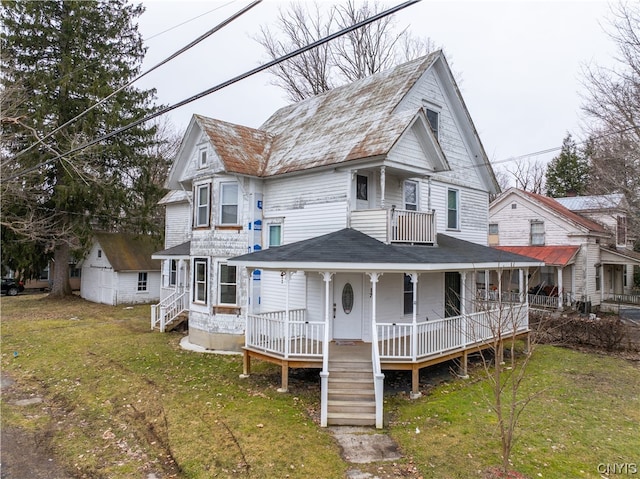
(349, 227)
(582, 240)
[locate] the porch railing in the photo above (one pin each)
(268, 332)
(163, 313)
(396, 226)
(440, 336)
(622, 298)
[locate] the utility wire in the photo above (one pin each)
(220, 86)
(202, 37)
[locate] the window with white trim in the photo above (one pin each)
(142, 281)
(410, 194)
(433, 117)
(202, 157)
(200, 280)
(453, 209)
(621, 230)
(173, 272)
(228, 203)
(275, 235)
(407, 295)
(202, 205)
(227, 284)
(537, 233)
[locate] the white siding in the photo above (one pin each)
(177, 228)
(450, 138)
(127, 288)
(276, 287)
(97, 277)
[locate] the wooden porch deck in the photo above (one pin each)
(360, 350)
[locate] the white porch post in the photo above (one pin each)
(414, 318)
(486, 284)
(521, 285)
(247, 306)
(324, 374)
(500, 286)
(383, 181)
(526, 285)
(378, 377)
(560, 302)
(602, 283)
(287, 333)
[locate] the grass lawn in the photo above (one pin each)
(120, 401)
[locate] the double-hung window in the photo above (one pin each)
(200, 280)
(407, 295)
(202, 157)
(173, 272)
(410, 195)
(433, 119)
(227, 284)
(229, 203)
(453, 216)
(537, 233)
(142, 281)
(202, 205)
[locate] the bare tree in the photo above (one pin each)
(613, 107)
(505, 358)
(528, 175)
(358, 54)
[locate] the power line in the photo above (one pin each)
(155, 67)
(220, 86)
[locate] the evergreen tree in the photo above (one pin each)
(65, 56)
(568, 173)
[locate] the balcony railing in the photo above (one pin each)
(396, 226)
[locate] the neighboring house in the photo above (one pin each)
(582, 241)
(119, 270)
(348, 227)
(43, 282)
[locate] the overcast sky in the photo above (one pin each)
(519, 64)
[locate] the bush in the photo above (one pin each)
(607, 332)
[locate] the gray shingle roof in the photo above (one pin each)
(351, 247)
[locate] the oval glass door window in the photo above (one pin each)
(347, 298)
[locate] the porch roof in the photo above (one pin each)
(182, 249)
(550, 255)
(352, 250)
(619, 256)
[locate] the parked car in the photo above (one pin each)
(11, 287)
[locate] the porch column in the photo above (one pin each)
(287, 334)
(526, 285)
(378, 377)
(500, 286)
(383, 181)
(324, 374)
(486, 284)
(414, 317)
(560, 302)
(463, 313)
(249, 290)
(523, 292)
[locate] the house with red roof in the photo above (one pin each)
(585, 252)
(344, 234)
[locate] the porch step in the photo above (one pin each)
(351, 419)
(177, 322)
(351, 395)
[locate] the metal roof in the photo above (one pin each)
(355, 121)
(595, 202)
(550, 255)
(127, 252)
(352, 249)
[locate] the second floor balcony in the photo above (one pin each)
(396, 226)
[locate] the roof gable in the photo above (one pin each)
(550, 205)
(127, 252)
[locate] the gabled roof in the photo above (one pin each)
(241, 149)
(549, 255)
(350, 122)
(349, 249)
(128, 252)
(553, 206)
(594, 202)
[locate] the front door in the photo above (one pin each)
(347, 306)
(363, 192)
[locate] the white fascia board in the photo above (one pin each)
(381, 267)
